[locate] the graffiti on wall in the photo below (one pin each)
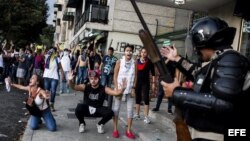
(120, 46)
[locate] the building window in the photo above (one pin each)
(245, 39)
(58, 22)
(60, 8)
(64, 32)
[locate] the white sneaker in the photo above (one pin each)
(81, 128)
(100, 128)
(136, 117)
(146, 120)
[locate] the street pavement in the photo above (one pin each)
(161, 128)
(12, 114)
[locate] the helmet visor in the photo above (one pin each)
(192, 53)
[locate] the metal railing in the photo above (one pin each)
(68, 16)
(95, 13)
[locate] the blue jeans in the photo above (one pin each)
(50, 122)
(106, 80)
(160, 97)
(64, 87)
(82, 74)
(51, 85)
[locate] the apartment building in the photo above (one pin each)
(114, 23)
(63, 21)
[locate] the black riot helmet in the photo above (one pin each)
(212, 32)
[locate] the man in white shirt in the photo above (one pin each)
(65, 62)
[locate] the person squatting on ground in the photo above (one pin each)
(51, 74)
(94, 95)
(40, 98)
(125, 68)
(221, 88)
(144, 67)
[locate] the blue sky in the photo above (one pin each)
(51, 9)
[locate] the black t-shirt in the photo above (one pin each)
(93, 59)
(94, 97)
(171, 67)
(143, 70)
(30, 60)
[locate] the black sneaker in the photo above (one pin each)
(170, 111)
(52, 107)
(155, 109)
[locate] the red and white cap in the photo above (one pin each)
(94, 73)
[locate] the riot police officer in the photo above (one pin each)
(220, 92)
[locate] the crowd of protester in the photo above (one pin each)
(24, 65)
(209, 106)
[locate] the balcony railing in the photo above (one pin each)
(68, 16)
(95, 13)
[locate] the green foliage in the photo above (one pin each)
(22, 21)
(47, 35)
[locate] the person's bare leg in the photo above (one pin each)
(137, 109)
(115, 122)
(130, 120)
(146, 110)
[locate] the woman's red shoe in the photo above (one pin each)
(115, 134)
(130, 135)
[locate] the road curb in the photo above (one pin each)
(28, 134)
(165, 121)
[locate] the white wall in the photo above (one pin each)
(182, 19)
(83, 6)
(226, 13)
(120, 39)
(126, 20)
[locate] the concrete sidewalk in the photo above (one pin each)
(67, 125)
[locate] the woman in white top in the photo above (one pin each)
(125, 68)
(40, 98)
